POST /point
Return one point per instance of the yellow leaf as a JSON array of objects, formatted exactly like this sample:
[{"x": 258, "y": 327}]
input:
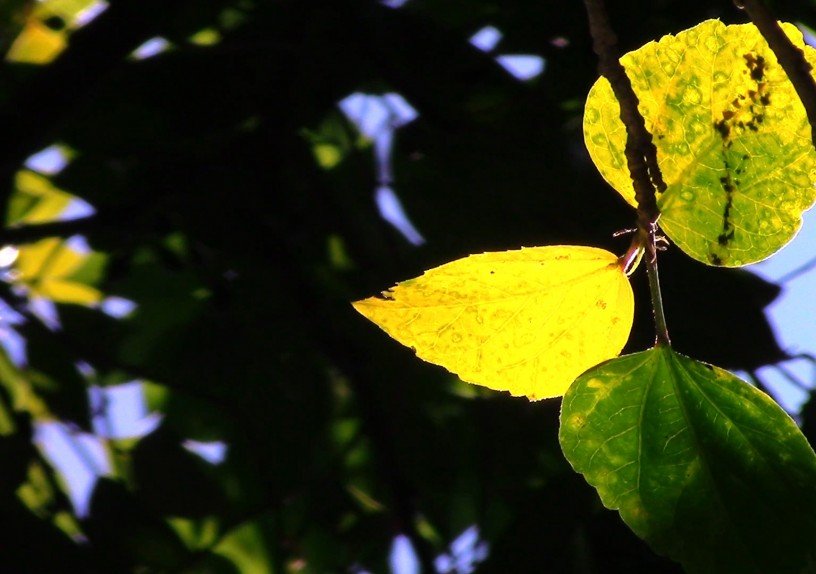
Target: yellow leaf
[
  {"x": 39, "y": 43},
  {"x": 70, "y": 292},
  {"x": 47, "y": 258},
  {"x": 527, "y": 321},
  {"x": 36, "y": 44},
  {"x": 36, "y": 199},
  {"x": 46, "y": 269},
  {"x": 33, "y": 257},
  {"x": 733, "y": 140}
]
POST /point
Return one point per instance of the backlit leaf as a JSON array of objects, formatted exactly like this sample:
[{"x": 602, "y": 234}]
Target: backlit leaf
[
  {"x": 35, "y": 199},
  {"x": 41, "y": 43},
  {"x": 527, "y": 321},
  {"x": 51, "y": 268},
  {"x": 706, "y": 468},
  {"x": 733, "y": 141},
  {"x": 37, "y": 44}
]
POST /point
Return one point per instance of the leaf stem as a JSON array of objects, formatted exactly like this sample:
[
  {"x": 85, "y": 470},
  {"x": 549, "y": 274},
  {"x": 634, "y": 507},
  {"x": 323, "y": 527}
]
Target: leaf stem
[
  {"x": 661, "y": 330},
  {"x": 641, "y": 154}
]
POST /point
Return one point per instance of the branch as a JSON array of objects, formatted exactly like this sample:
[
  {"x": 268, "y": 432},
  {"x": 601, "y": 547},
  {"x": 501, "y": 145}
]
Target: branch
[
  {"x": 791, "y": 58},
  {"x": 641, "y": 154}
]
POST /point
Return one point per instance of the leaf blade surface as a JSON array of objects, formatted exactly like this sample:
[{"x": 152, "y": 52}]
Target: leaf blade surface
[
  {"x": 733, "y": 141},
  {"x": 526, "y": 321},
  {"x": 704, "y": 467}
]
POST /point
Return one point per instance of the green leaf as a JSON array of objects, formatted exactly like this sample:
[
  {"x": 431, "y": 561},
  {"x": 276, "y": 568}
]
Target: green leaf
[
  {"x": 248, "y": 546},
  {"x": 733, "y": 140},
  {"x": 704, "y": 467}
]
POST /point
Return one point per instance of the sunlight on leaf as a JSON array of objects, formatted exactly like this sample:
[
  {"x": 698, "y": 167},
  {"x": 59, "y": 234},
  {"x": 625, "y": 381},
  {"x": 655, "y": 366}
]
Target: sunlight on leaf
[
  {"x": 37, "y": 44},
  {"x": 526, "y": 321},
  {"x": 733, "y": 141},
  {"x": 706, "y": 468},
  {"x": 52, "y": 269},
  {"x": 40, "y": 43},
  {"x": 247, "y": 547},
  {"x": 39, "y": 494},
  {"x": 20, "y": 389},
  {"x": 35, "y": 199},
  {"x": 197, "y": 534}
]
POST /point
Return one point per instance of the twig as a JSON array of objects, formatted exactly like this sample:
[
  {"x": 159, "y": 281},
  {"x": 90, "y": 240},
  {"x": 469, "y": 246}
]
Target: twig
[
  {"x": 641, "y": 155},
  {"x": 806, "y": 267},
  {"x": 791, "y": 58}
]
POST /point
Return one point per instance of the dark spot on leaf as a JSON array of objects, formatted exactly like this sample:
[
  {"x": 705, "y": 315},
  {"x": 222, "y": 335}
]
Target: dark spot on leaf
[
  {"x": 727, "y": 233},
  {"x": 725, "y": 181},
  {"x": 707, "y": 366},
  {"x": 722, "y": 128},
  {"x": 756, "y": 66},
  {"x": 492, "y": 272},
  {"x": 54, "y": 23},
  {"x": 714, "y": 258},
  {"x": 723, "y": 238}
]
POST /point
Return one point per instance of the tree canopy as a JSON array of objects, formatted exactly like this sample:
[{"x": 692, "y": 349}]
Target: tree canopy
[{"x": 194, "y": 194}]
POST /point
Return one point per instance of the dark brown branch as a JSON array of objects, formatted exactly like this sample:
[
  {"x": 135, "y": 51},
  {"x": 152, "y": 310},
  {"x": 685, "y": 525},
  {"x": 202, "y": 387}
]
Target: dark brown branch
[
  {"x": 791, "y": 58},
  {"x": 641, "y": 154}
]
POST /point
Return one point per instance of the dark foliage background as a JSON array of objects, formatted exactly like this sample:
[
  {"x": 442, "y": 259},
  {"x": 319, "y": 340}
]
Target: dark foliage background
[{"x": 242, "y": 254}]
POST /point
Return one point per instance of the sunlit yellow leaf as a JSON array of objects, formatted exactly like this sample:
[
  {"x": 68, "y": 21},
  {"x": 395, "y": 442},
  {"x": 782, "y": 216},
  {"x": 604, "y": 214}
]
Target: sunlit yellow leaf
[
  {"x": 36, "y": 44},
  {"x": 733, "y": 140},
  {"x": 70, "y": 292},
  {"x": 527, "y": 321},
  {"x": 39, "y": 43},
  {"x": 206, "y": 37},
  {"x": 69, "y": 11},
  {"x": 47, "y": 269},
  {"x": 36, "y": 199}
]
